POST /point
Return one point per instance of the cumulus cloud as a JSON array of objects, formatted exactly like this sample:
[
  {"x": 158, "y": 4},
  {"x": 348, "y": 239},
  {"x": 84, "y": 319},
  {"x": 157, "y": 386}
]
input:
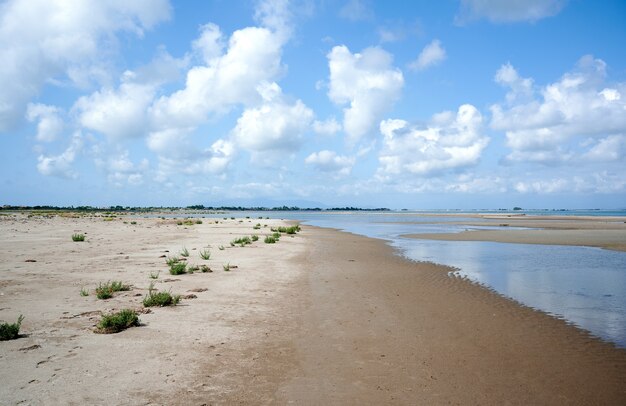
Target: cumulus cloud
[
  {"x": 253, "y": 56},
  {"x": 329, "y": 161},
  {"x": 61, "y": 165},
  {"x": 326, "y": 127},
  {"x": 367, "y": 82},
  {"x": 57, "y": 40},
  {"x": 507, "y": 11},
  {"x": 431, "y": 55},
  {"x": 117, "y": 113},
  {"x": 543, "y": 124},
  {"x": 275, "y": 125},
  {"x": 450, "y": 142},
  {"x": 121, "y": 171},
  {"x": 50, "y": 125}
]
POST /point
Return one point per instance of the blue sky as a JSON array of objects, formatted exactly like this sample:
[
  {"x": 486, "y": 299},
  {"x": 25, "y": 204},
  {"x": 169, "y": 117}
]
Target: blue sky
[{"x": 450, "y": 104}]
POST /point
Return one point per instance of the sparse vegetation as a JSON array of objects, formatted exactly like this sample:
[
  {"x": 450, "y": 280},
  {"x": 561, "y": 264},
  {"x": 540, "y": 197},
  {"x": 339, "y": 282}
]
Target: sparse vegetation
[
  {"x": 171, "y": 261},
  {"x": 198, "y": 221},
  {"x": 184, "y": 252},
  {"x": 133, "y": 222},
  {"x": 192, "y": 268},
  {"x": 160, "y": 299},
  {"x": 178, "y": 268},
  {"x": 226, "y": 267},
  {"x": 116, "y": 322},
  {"x": 154, "y": 275},
  {"x": 106, "y": 291},
  {"x": 254, "y": 237},
  {"x": 204, "y": 269},
  {"x": 205, "y": 254},
  {"x": 221, "y": 248},
  {"x": 84, "y": 292},
  {"x": 276, "y": 235},
  {"x": 78, "y": 237},
  {"x": 11, "y": 331},
  {"x": 257, "y": 226},
  {"x": 270, "y": 240},
  {"x": 241, "y": 241}
]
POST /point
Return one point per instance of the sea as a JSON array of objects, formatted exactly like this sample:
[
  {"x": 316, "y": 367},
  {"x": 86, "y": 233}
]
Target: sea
[{"x": 584, "y": 286}]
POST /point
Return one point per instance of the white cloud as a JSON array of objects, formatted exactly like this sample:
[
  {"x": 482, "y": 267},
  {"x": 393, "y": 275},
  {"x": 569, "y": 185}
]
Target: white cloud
[
  {"x": 273, "y": 126},
  {"x": 50, "y": 124},
  {"x": 210, "y": 43},
  {"x": 118, "y": 113},
  {"x": 329, "y": 161},
  {"x": 61, "y": 165},
  {"x": 450, "y": 142},
  {"x": 366, "y": 81},
  {"x": 253, "y": 57},
  {"x": 326, "y": 127},
  {"x": 542, "y": 125},
  {"x": 431, "y": 55},
  {"x": 122, "y": 171},
  {"x": 59, "y": 40},
  {"x": 505, "y": 11}
]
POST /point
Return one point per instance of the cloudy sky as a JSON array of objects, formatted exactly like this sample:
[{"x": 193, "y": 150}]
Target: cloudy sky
[{"x": 401, "y": 104}]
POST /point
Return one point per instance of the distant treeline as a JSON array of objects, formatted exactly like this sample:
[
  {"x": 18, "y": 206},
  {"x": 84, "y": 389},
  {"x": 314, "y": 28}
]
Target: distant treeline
[{"x": 194, "y": 207}]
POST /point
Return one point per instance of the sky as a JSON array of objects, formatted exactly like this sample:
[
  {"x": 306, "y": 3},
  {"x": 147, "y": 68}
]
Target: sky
[{"x": 401, "y": 104}]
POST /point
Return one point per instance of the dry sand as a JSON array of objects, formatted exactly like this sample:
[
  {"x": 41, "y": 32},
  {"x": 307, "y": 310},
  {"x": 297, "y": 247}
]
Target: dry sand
[
  {"x": 603, "y": 232},
  {"x": 321, "y": 318}
]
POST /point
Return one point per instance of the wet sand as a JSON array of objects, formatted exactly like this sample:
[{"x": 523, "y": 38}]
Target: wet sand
[
  {"x": 324, "y": 317},
  {"x": 603, "y": 232}
]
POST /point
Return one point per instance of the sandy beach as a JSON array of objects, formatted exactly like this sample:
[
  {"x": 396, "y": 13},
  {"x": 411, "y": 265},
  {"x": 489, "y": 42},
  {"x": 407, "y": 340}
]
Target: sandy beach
[{"x": 321, "y": 317}]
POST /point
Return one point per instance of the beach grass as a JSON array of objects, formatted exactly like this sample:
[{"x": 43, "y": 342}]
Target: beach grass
[
  {"x": 159, "y": 299},
  {"x": 106, "y": 291},
  {"x": 116, "y": 322},
  {"x": 78, "y": 237},
  {"x": 178, "y": 268},
  {"x": 11, "y": 331},
  {"x": 205, "y": 254}
]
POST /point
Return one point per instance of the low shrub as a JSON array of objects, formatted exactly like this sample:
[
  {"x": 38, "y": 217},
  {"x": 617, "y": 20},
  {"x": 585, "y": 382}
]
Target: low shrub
[
  {"x": 106, "y": 291},
  {"x": 160, "y": 299},
  {"x": 78, "y": 237},
  {"x": 10, "y": 331},
  {"x": 270, "y": 240},
  {"x": 178, "y": 268},
  {"x": 116, "y": 322}
]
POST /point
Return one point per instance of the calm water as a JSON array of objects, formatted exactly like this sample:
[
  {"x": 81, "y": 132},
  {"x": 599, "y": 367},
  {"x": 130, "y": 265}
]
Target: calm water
[{"x": 585, "y": 286}]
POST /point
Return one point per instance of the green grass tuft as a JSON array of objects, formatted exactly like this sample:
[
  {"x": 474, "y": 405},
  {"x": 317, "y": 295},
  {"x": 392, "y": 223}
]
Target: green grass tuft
[
  {"x": 171, "y": 261},
  {"x": 84, "y": 292},
  {"x": 270, "y": 240},
  {"x": 10, "y": 331},
  {"x": 78, "y": 237},
  {"x": 160, "y": 299},
  {"x": 106, "y": 291},
  {"x": 116, "y": 322},
  {"x": 254, "y": 237},
  {"x": 204, "y": 269},
  {"x": 184, "y": 252},
  {"x": 205, "y": 254},
  {"x": 178, "y": 268},
  {"x": 226, "y": 267},
  {"x": 154, "y": 275}
]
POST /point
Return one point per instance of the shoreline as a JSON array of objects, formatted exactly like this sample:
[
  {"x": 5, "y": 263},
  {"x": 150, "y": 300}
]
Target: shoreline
[{"x": 326, "y": 316}]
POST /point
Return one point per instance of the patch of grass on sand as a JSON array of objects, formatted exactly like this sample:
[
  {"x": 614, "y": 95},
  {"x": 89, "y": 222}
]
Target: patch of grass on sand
[
  {"x": 106, "y": 291},
  {"x": 84, "y": 292},
  {"x": 178, "y": 268},
  {"x": 254, "y": 237},
  {"x": 204, "y": 269},
  {"x": 171, "y": 261},
  {"x": 78, "y": 237},
  {"x": 226, "y": 267},
  {"x": 10, "y": 331},
  {"x": 221, "y": 248},
  {"x": 205, "y": 254},
  {"x": 184, "y": 252},
  {"x": 193, "y": 268},
  {"x": 270, "y": 240},
  {"x": 160, "y": 299},
  {"x": 116, "y": 322},
  {"x": 154, "y": 275},
  {"x": 241, "y": 241}
]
